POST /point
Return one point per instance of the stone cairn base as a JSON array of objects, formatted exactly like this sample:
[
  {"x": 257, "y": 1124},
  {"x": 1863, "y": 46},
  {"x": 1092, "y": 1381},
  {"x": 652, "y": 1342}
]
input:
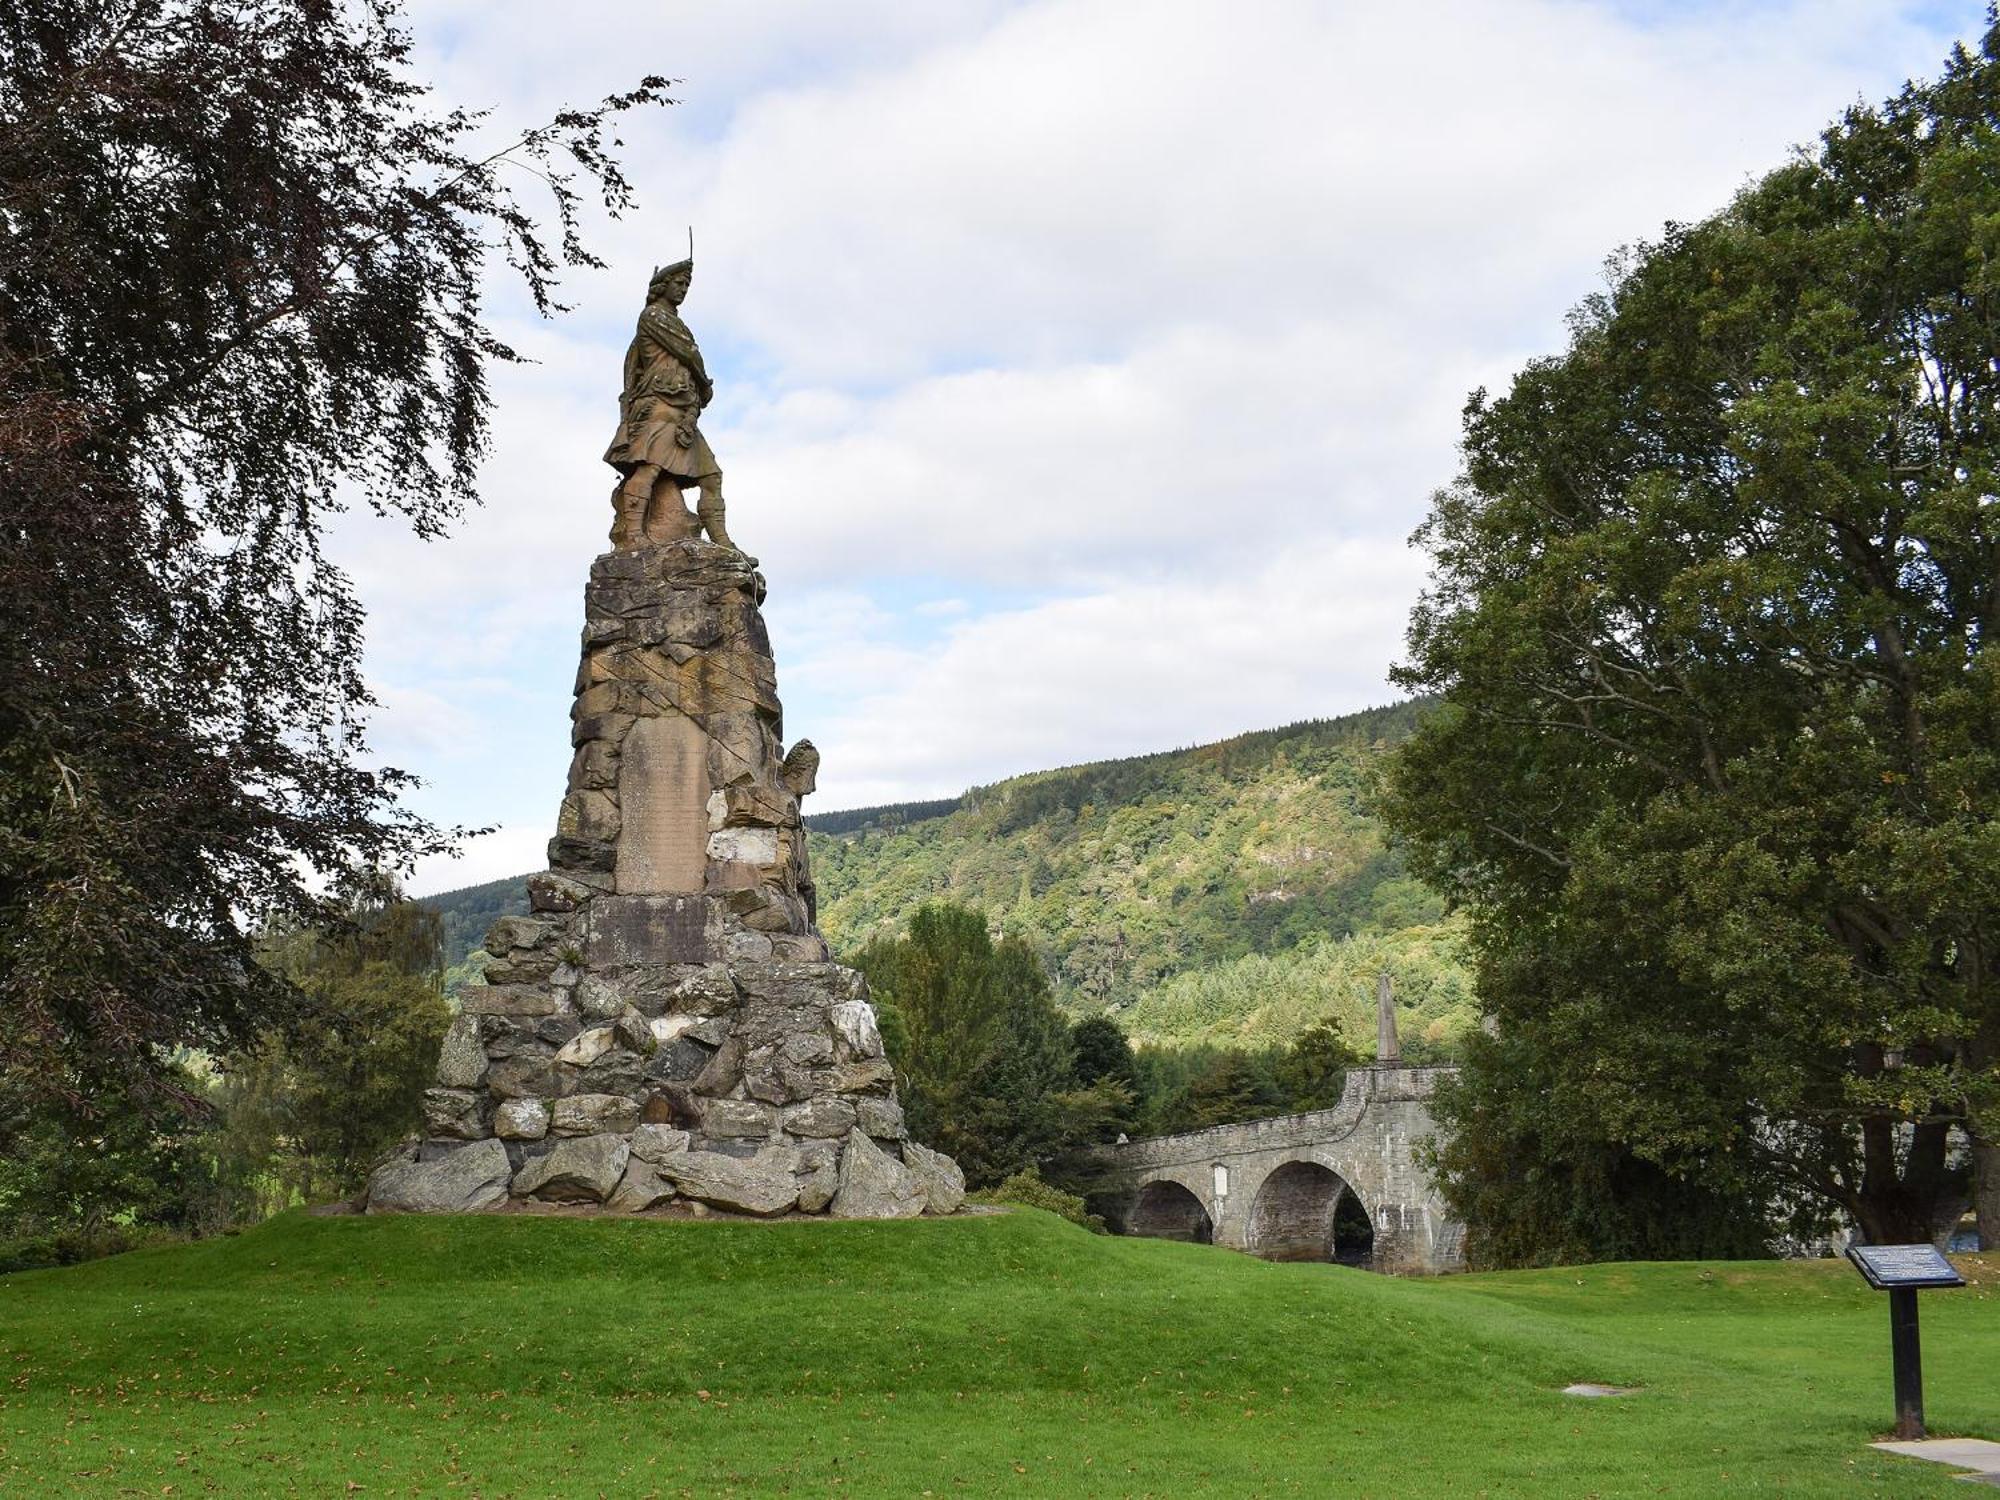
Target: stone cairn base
[{"x": 665, "y": 1025}]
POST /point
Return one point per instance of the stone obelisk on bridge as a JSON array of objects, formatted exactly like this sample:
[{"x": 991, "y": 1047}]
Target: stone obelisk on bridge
[{"x": 666, "y": 1027}]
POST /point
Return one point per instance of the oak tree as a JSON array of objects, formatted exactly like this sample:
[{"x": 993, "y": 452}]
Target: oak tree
[{"x": 1719, "y": 757}]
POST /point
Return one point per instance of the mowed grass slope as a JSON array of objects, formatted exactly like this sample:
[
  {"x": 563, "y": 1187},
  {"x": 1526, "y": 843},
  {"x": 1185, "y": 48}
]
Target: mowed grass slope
[{"x": 1004, "y": 1355}]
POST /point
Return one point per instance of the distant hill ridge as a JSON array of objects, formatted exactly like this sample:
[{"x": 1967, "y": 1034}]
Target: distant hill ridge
[
  {"x": 886, "y": 815},
  {"x": 1229, "y": 893}
]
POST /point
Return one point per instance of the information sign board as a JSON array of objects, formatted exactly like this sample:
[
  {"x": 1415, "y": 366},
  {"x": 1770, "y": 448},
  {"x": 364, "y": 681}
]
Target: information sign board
[{"x": 1890, "y": 1266}]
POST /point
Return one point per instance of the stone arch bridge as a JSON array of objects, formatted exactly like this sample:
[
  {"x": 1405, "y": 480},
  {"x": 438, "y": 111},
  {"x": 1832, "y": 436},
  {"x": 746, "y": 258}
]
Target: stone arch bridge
[{"x": 1340, "y": 1184}]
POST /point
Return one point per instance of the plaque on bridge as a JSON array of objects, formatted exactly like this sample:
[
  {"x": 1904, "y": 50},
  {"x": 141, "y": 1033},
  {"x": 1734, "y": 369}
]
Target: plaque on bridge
[{"x": 1916, "y": 1266}]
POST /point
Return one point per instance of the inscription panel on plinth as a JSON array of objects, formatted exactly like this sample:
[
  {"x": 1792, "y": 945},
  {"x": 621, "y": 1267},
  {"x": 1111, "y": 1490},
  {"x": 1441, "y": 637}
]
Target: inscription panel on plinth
[
  {"x": 623, "y": 930},
  {"x": 663, "y": 807}
]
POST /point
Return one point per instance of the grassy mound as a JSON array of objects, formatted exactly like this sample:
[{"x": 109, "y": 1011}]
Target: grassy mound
[{"x": 1002, "y": 1355}]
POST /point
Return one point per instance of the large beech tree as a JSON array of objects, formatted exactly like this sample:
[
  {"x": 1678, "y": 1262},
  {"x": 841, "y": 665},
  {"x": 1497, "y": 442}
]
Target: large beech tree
[
  {"x": 1719, "y": 758},
  {"x": 241, "y": 263}
]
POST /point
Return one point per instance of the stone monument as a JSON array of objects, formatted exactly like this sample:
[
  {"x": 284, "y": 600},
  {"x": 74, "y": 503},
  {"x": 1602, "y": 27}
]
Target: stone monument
[{"x": 665, "y": 1025}]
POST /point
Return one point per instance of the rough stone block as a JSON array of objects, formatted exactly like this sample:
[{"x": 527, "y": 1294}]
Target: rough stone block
[
  {"x": 508, "y": 933},
  {"x": 881, "y": 1118},
  {"x": 698, "y": 989},
  {"x": 587, "y": 1046},
  {"x": 583, "y": 856},
  {"x": 938, "y": 1175},
  {"x": 726, "y": 878},
  {"x": 610, "y": 728},
  {"x": 464, "y": 1181},
  {"x": 594, "y": 1114},
  {"x": 598, "y": 999},
  {"x": 459, "y": 1114},
  {"x": 550, "y": 892},
  {"x": 635, "y": 1033},
  {"x": 807, "y": 1046},
  {"x": 854, "y": 1022},
  {"x": 764, "y": 1185},
  {"x": 753, "y": 803},
  {"x": 642, "y": 1187},
  {"x": 590, "y": 815},
  {"x": 526, "y": 1075},
  {"x": 798, "y": 947},
  {"x": 522, "y": 968},
  {"x": 750, "y": 846},
  {"x": 722, "y": 1072},
  {"x": 822, "y": 1117},
  {"x": 680, "y": 1061},
  {"x": 603, "y": 699},
  {"x": 777, "y": 915},
  {"x": 655, "y": 1143},
  {"x": 818, "y": 1185},
  {"x": 462, "y": 1057},
  {"x": 874, "y": 1076},
  {"x": 521, "y": 1119},
  {"x": 594, "y": 767},
  {"x": 874, "y": 1185},
  {"x": 749, "y": 947},
  {"x": 619, "y": 1071},
  {"x": 668, "y": 1028},
  {"x": 581, "y": 1169},
  {"x": 738, "y": 1117},
  {"x": 557, "y": 1030}
]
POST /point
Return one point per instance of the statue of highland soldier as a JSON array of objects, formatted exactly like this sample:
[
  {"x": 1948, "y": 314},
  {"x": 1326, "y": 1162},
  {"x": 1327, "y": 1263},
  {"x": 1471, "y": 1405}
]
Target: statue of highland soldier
[{"x": 659, "y": 448}]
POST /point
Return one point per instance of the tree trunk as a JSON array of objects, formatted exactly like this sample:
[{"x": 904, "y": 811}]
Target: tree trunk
[
  {"x": 1986, "y": 1191},
  {"x": 1900, "y": 1208}
]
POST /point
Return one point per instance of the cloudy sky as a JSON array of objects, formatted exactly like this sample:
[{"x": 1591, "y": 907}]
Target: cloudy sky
[{"x": 1083, "y": 365}]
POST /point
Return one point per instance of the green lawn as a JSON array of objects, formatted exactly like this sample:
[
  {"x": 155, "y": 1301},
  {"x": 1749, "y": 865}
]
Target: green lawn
[{"x": 537, "y": 1356}]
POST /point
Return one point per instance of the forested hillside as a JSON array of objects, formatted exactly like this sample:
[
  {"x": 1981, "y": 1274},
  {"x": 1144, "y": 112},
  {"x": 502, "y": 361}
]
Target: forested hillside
[{"x": 1231, "y": 893}]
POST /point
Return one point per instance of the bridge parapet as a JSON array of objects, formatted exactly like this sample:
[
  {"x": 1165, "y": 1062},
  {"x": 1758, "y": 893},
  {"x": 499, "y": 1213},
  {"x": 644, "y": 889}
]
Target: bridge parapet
[{"x": 1363, "y": 1149}]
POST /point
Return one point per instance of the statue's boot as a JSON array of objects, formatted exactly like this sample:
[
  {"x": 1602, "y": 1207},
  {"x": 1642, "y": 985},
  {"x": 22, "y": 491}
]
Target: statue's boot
[
  {"x": 628, "y": 523},
  {"x": 711, "y": 513}
]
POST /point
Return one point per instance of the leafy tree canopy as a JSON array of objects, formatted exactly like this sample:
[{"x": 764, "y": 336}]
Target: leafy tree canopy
[
  {"x": 1718, "y": 767},
  {"x": 241, "y": 273},
  {"x": 305, "y": 1113}
]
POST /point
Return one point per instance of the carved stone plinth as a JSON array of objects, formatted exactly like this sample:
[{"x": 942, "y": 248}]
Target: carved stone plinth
[{"x": 665, "y": 1024}]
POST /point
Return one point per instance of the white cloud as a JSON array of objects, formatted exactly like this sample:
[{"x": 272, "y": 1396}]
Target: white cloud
[
  {"x": 1079, "y": 175},
  {"x": 1082, "y": 364},
  {"x": 1134, "y": 667},
  {"x": 1203, "y": 445}
]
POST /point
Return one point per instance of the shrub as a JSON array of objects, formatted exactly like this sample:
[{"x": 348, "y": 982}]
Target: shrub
[{"x": 1027, "y": 1189}]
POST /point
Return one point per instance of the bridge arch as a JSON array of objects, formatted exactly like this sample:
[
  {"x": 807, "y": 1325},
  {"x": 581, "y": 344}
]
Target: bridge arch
[
  {"x": 1306, "y": 1210},
  {"x": 1168, "y": 1210}
]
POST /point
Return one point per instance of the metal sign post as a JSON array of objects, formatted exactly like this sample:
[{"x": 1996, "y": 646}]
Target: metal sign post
[{"x": 1902, "y": 1271}]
